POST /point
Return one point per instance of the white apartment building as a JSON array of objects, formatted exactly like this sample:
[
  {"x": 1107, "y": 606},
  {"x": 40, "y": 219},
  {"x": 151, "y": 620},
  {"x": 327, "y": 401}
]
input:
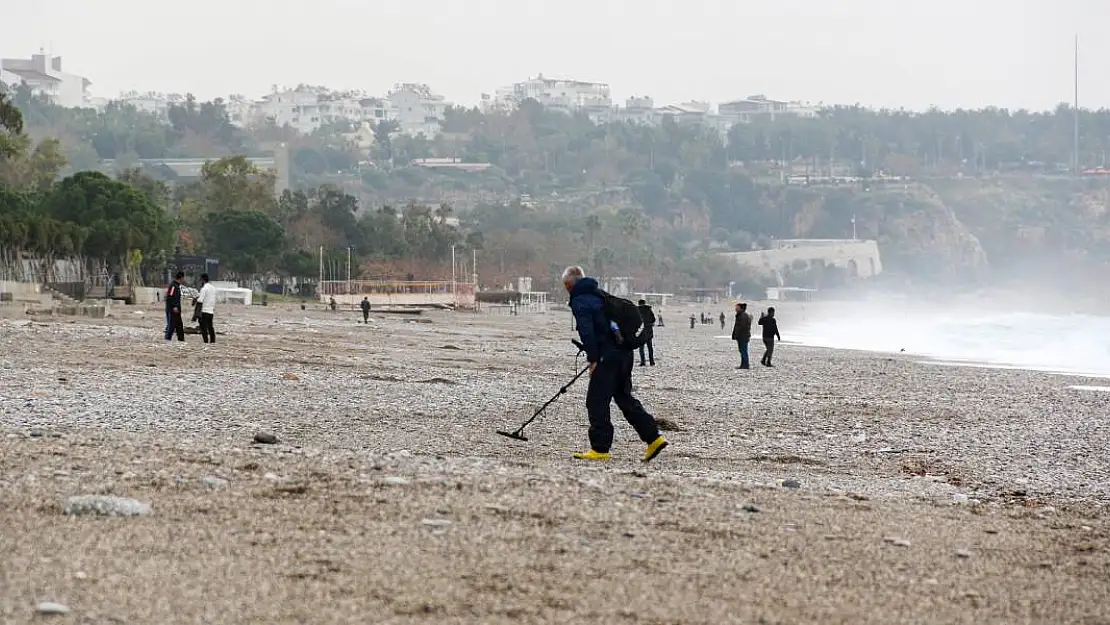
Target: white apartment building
[
  {"x": 151, "y": 102},
  {"x": 240, "y": 110},
  {"x": 43, "y": 74},
  {"x": 417, "y": 109},
  {"x": 304, "y": 108},
  {"x": 761, "y": 107},
  {"x": 557, "y": 93}
]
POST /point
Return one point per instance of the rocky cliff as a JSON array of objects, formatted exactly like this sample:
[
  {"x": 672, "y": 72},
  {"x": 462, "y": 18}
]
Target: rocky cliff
[{"x": 967, "y": 228}]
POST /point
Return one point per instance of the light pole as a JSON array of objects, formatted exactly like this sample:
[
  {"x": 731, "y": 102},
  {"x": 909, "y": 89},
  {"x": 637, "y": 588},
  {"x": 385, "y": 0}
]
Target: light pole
[
  {"x": 854, "y": 238},
  {"x": 348, "y": 270},
  {"x": 454, "y": 287}
]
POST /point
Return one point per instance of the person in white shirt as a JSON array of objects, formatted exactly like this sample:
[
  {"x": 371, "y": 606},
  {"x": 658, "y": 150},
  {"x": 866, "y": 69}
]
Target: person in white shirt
[{"x": 207, "y": 301}]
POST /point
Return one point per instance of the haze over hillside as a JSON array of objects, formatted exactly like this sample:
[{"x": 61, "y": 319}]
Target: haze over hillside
[
  {"x": 708, "y": 143},
  {"x": 945, "y": 53}
]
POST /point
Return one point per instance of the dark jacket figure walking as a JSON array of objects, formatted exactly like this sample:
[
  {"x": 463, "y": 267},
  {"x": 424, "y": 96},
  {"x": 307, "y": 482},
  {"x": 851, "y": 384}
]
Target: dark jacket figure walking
[
  {"x": 692, "y": 319},
  {"x": 648, "y": 317},
  {"x": 742, "y": 333},
  {"x": 174, "y": 323},
  {"x": 610, "y": 372},
  {"x": 722, "y": 321},
  {"x": 365, "y": 309},
  {"x": 770, "y": 333}
]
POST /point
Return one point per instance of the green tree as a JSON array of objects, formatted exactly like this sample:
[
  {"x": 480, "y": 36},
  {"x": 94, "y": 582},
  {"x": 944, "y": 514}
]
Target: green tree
[{"x": 247, "y": 242}]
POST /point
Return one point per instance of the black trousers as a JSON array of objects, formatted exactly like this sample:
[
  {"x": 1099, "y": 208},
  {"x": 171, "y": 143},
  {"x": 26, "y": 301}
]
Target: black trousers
[
  {"x": 366, "y": 315},
  {"x": 612, "y": 382},
  {"x": 207, "y": 330},
  {"x": 769, "y": 345},
  {"x": 175, "y": 325},
  {"x": 650, "y": 351}
]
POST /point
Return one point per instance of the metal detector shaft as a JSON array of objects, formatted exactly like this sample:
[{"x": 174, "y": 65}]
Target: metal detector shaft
[
  {"x": 518, "y": 433},
  {"x": 562, "y": 391}
]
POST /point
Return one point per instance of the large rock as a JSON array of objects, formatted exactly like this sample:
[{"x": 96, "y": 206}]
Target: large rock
[{"x": 105, "y": 505}]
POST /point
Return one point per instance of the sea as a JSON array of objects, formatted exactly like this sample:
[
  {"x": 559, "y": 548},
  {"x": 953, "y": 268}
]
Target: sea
[{"x": 1073, "y": 344}]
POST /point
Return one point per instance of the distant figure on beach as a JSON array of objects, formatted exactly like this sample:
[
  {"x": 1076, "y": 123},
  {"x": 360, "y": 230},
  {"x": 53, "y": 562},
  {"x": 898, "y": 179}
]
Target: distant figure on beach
[
  {"x": 207, "y": 301},
  {"x": 610, "y": 372},
  {"x": 331, "y": 303},
  {"x": 648, "y": 318},
  {"x": 722, "y": 321},
  {"x": 659, "y": 321},
  {"x": 365, "y": 305},
  {"x": 691, "y": 321},
  {"x": 770, "y": 333},
  {"x": 742, "y": 333},
  {"x": 174, "y": 323}
]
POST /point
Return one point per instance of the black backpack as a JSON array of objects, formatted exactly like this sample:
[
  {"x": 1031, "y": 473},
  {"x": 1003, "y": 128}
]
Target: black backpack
[{"x": 627, "y": 317}]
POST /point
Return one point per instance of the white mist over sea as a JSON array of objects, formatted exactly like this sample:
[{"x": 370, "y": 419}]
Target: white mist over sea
[{"x": 1070, "y": 343}]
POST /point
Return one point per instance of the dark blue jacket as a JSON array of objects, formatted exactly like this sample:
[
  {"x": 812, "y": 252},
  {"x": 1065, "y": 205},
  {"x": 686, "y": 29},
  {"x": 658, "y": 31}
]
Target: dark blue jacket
[{"x": 589, "y": 317}]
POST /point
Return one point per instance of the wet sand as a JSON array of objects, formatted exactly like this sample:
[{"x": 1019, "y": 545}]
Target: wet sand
[{"x": 839, "y": 487}]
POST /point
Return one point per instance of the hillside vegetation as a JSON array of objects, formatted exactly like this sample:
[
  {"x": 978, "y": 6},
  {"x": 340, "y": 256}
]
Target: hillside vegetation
[{"x": 987, "y": 189}]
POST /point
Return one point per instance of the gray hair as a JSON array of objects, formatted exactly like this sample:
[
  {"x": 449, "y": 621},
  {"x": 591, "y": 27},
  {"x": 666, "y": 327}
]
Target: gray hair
[{"x": 573, "y": 274}]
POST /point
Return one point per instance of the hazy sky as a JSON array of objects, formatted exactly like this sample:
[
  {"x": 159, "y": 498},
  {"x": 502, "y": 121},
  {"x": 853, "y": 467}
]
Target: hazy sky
[{"x": 894, "y": 53}]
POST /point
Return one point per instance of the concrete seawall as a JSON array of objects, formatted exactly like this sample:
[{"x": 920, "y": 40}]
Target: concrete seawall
[{"x": 860, "y": 258}]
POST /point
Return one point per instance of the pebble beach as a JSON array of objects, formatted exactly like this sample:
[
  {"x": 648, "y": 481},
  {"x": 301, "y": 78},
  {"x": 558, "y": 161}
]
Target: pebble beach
[{"x": 309, "y": 468}]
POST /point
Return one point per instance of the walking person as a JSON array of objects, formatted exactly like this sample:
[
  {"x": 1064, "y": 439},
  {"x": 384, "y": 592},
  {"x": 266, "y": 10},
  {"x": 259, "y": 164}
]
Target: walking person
[
  {"x": 722, "y": 321},
  {"x": 365, "y": 305},
  {"x": 770, "y": 333},
  {"x": 207, "y": 301},
  {"x": 742, "y": 333},
  {"x": 174, "y": 323},
  {"x": 610, "y": 372},
  {"x": 648, "y": 318},
  {"x": 691, "y": 321}
]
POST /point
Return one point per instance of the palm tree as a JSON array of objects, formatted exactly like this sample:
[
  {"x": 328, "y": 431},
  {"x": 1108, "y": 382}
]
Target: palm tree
[
  {"x": 633, "y": 224},
  {"x": 603, "y": 259},
  {"x": 593, "y": 226}
]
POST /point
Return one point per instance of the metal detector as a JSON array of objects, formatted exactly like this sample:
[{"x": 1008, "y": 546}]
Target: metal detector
[{"x": 518, "y": 434}]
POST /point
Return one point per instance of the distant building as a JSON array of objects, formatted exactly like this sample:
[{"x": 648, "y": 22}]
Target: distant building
[
  {"x": 557, "y": 93},
  {"x": 449, "y": 163},
  {"x": 417, "y": 109},
  {"x": 860, "y": 258},
  {"x": 240, "y": 110},
  {"x": 638, "y": 110},
  {"x": 43, "y": 74},
  {"x": 305, "y": 108},
  {"x": 150, "y": 102},
  {"x": 187, "y": 169},
  {"x": 761, "y": 107},
  {"x": 687, "y": 112}
]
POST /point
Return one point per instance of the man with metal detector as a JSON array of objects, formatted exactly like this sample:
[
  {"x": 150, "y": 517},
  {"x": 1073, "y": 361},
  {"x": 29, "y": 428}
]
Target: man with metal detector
[{"x": 607, "y": 326}]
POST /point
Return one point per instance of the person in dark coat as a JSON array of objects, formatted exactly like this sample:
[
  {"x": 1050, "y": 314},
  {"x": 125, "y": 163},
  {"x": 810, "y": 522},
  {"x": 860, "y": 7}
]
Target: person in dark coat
[
  {"x": 365, "y": 305},
  {"x": 174, "y": 323},
  {"x": 722, "y": 321},
  {"x": 648, "y": 318},
  {"x": 742, "y": 333},
  {"x": 610, "y": 372},
  {"x": 770, "y": 333}
]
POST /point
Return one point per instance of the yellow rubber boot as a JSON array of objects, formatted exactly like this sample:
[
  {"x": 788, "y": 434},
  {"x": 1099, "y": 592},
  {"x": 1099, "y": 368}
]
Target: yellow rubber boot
[
  {"x": 654, "y": 448},
  {"x": 592, "y": 455}
]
